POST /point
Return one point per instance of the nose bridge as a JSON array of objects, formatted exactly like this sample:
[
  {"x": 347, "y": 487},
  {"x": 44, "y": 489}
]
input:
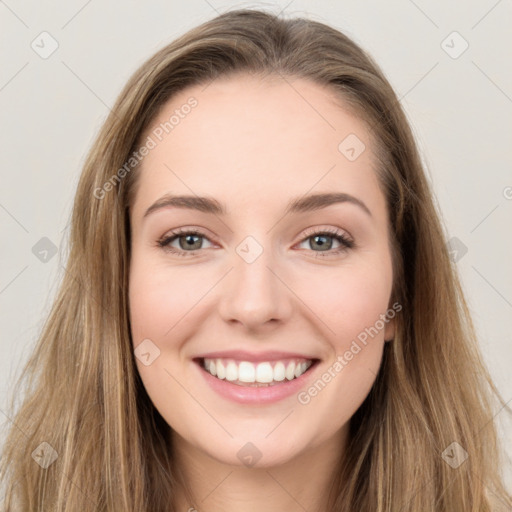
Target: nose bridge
[{"x": 254, "y": 294}]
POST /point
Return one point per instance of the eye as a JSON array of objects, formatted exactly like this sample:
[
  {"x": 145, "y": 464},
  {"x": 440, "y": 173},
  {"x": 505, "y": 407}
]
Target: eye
[
  {"x": 323, "y": 239},
  {"x": 189, "y": 241}
]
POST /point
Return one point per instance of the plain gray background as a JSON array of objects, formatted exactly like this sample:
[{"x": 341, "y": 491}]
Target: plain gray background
[{"x": 458, "y": 100}]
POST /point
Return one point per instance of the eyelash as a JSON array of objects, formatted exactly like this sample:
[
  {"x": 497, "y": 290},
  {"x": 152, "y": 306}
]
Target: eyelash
[{"x": 345, "y": 242}]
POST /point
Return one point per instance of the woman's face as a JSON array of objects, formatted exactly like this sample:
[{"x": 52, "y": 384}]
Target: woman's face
[{"x": 264, "y": 287}]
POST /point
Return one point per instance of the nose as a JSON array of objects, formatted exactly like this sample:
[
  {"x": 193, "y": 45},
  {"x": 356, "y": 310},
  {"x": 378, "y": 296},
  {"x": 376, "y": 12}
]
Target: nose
[{"x": 254, "y": 294}]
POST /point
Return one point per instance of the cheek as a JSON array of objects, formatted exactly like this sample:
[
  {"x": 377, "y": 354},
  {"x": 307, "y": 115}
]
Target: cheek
[
  {"x": 161, "y": 305},
  {"x": 348, "y": 300},
  {"x": 159, "y": 298},
  {"x": 350, "y": 305}
]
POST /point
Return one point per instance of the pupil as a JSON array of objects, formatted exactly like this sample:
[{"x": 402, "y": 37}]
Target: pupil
[
  {"x": 322, "y": 244},
  {"x": 190, "y": 239}
]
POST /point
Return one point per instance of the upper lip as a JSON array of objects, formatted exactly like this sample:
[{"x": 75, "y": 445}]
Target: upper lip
[{"x": 243, "y": 355}]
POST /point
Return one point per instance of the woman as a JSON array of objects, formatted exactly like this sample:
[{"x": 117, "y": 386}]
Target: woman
[{"x": 259, "y": 311}]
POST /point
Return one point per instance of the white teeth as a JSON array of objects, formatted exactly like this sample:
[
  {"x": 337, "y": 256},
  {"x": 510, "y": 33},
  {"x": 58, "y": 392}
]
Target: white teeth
[
  {"x": 231, "y": 371},
  {"x": 221, "y": 371},
  {"x": 264, "y": 373},
  {"x": 247, "y": 372},
  {"x": 290, "y": 371},
  {"x": 279, "y": 371}
]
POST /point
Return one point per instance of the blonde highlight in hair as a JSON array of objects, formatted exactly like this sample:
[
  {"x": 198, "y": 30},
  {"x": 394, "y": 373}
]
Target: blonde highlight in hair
[{"x": 84, "y": 396}]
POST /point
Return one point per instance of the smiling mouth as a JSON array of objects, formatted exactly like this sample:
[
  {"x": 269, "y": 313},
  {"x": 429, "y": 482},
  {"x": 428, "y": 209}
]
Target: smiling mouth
[{"x": 262, "y": 374}]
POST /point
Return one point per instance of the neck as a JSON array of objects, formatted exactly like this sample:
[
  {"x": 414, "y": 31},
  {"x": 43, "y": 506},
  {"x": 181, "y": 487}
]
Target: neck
[{"x": 302, "y": 483}]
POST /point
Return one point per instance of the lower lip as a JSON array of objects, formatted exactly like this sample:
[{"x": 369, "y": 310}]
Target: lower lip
[{"x": 257, "y": 395}]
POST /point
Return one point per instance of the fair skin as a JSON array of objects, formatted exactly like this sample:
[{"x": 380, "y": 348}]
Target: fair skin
[{"x": 254, "y": 145}]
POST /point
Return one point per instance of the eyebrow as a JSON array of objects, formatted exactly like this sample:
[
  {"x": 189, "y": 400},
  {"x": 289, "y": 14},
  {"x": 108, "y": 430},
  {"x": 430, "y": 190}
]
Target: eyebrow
[{"x": 210, "y": 205}]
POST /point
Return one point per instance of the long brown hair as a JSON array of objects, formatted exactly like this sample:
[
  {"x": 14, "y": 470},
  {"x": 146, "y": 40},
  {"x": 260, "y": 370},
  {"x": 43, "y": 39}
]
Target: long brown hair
[{"x": 87, "y": 437}]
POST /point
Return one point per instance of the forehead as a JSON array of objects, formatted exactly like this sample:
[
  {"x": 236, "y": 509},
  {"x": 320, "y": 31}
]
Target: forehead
[{"x": 248, "y": 137}]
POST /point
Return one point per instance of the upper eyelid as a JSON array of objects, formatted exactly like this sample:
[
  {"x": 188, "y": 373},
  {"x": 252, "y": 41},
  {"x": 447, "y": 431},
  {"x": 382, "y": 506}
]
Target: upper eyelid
[{"x": 187, "y": 231}]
